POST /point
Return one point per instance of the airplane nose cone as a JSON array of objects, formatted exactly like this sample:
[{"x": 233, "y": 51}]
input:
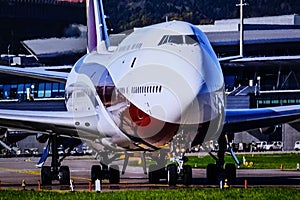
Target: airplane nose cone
[{"x": 166, "y": 86}]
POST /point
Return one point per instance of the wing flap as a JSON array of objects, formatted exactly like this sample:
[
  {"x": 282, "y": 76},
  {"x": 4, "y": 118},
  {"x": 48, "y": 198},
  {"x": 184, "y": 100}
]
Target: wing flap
[{"x": 246, "y": 119}]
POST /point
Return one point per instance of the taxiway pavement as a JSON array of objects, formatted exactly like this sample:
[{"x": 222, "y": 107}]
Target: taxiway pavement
[{"x": 14, "y": 170}]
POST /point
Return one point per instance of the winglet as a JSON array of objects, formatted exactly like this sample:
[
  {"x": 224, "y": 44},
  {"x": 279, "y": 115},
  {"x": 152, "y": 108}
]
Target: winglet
[{"x": 97, "y": 30}]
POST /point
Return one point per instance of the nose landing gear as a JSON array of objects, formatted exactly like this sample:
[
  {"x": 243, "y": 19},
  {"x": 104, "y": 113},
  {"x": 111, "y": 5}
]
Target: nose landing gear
[
  {"x": 172, "y": 173},
  {"x": 179, "y": 171},
  {"x": 103, "y": 171}
]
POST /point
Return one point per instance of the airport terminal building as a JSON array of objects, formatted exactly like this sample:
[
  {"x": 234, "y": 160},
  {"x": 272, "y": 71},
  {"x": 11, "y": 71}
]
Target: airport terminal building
[
  {"x": 267, "y": 76},
  {"x": 271, "y": 46}
]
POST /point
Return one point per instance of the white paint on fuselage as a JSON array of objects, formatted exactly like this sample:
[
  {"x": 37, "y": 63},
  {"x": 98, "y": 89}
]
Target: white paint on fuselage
[
  {"x": 186, "y": 72},
  {"x": 191, "y": 81}
]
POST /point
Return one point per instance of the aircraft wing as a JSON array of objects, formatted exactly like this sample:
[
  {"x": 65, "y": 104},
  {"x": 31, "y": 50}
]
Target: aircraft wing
[
  {"x": 266, "y": 58},
  {"x": 61, "y": 122},
  {"x": 268, "y": 61},
  {"x": 245, "y": 119},
  {"x": 36, "y": 72},
  {"x": 69, "y": 124},
  {"x": 229, "y": 58}
]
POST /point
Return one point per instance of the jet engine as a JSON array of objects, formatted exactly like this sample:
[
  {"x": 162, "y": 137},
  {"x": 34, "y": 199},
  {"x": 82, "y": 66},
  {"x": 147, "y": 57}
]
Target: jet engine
[
  {"x": 268, "y": 130},
  {"x": 42, "y": 138},
  {"x": 3, "y": 131}
]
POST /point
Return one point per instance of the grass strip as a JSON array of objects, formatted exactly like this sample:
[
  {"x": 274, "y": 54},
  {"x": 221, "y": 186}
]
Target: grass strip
[
  {"x": 259, "y": 161},
  {"x": 189, "y": 193}
]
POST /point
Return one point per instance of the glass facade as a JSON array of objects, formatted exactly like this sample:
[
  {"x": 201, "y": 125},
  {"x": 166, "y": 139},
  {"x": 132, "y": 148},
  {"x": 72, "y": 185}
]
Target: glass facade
[
  {"x": 34, "y": 88},
  {"x": 279, "y": 98}
]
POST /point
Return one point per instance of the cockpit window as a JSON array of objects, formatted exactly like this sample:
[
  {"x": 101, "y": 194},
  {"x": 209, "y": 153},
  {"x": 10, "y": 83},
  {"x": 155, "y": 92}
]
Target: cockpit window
[
  {"x": 179, "y": 39},
  {"x": 191, "y": 39},
  {"x": 175, "y": 39},
  {"x": 163, "y": 40}
]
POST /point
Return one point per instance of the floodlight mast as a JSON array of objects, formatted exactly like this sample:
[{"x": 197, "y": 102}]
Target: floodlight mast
[{"x": 242, "y": 4}]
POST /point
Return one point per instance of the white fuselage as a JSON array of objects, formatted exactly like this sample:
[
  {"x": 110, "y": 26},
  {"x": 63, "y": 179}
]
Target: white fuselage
[{"x": 161, "y": 79}]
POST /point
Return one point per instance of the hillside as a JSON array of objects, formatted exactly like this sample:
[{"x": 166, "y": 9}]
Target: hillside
[{"x": 125, "y": 14}]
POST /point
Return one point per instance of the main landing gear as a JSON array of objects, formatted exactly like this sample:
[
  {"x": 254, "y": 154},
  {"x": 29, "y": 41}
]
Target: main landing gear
[
  {"x": 55, "y": 171},
  {"x": 217, "y": 172},
  {"x": 112, "y": 172}
]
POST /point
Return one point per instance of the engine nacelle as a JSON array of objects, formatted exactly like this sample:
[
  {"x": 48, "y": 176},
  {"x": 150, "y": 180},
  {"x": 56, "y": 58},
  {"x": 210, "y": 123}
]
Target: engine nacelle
[
  {"x": 268, "y": 130},
  {"x": 3, "y": 131},
  {"x": 42, "y": 138}
]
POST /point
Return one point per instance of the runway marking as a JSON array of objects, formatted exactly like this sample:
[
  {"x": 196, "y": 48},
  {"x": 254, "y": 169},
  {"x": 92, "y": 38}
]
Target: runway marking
[
  {"x": 21, "y": 171},
  {"x": 33, "y": 172},
  {"x": 80, "y": 178}
]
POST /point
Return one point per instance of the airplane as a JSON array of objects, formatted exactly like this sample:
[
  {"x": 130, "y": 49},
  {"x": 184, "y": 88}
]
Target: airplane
[{"x": 163, "y": 86}]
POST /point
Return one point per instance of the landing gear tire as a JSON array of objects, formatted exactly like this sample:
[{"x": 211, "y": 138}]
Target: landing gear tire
[
  {"x": 212, "y": 173},
  {"x": 114, "y": 174},
  {"x": 187, "y": 175},
  {"x": 156, "y": 173},
  {"x": 230, "y": 172},
  {"x": 46, "y": 176},
  {"x": 96, "y": 173},
  {"x": 64, "y": 175},
  {"x": 172, "y": 174},
  {"x": 153, "y": 174}
]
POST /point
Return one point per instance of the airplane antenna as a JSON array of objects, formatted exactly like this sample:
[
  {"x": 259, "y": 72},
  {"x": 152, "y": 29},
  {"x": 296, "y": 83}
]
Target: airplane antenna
[{"x": 242, "y": 4}]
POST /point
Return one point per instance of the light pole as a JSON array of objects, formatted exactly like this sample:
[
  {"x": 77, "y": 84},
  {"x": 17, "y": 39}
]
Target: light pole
[
  {"x": 8, "y": 54},
  {"x": 242, "y": 4}
]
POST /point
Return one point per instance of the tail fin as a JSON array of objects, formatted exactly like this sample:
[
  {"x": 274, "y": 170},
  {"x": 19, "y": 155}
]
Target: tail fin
[{"x": 97, "y": 35}]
